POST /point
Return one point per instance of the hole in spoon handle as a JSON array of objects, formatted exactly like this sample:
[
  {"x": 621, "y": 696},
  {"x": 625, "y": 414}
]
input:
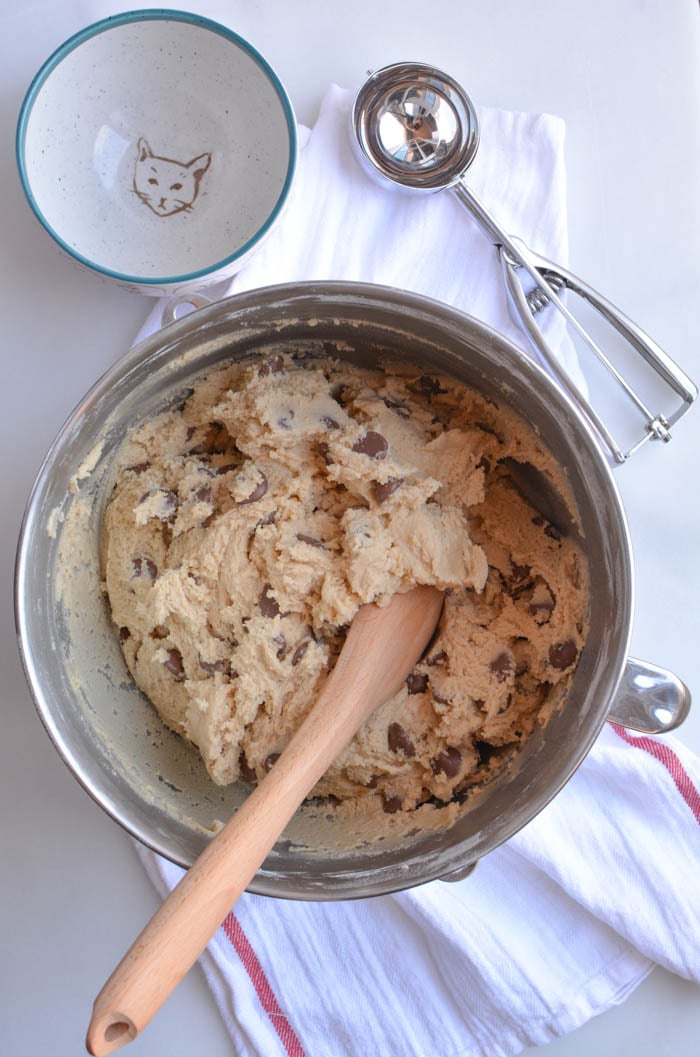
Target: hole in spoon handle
[{"x": 110, "y": 1033}]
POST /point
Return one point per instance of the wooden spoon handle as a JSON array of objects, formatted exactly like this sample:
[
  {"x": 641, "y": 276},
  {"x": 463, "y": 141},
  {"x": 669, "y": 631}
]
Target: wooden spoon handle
[{"x": 382, "y": 646}]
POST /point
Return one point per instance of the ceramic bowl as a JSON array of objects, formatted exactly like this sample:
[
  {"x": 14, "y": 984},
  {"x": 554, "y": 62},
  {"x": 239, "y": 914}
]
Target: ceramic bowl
[{"x": 157, "y": 148}]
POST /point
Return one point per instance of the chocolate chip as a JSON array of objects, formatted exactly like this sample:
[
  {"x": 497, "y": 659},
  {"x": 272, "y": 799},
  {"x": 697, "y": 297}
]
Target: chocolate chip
[
  {"x": 487, "y": 428},
  {"x": 336, "y": 391},
  {"x": 258, "y": 492},
  {"x": 484, "y": 464},
  {"x": 440, "y": 698},
  {"x": 399, "y": 741},
  {"x": 271, "y": 760},
  {"x": 447, "y": 762},
  {"x": 506, "y": 705},
  {"x": 138, "y": 467},
  {"x": 285, "y": 419},
  {"x": 281, "y": 644},
  {"x": 300, "y": 651},
  {"x": 324, "y": 451},
  {"x": 563, "y": 654},
  {"x": 383, "y": 491},
  {"x": 519, "y": 574},
  {"x": 417, "y": 683},
  {"x": 124, "y": 634},
  {"x": 221, "y": 470},
  {"x": 168, "y": 503},
  {"x": 275, "y": 365},
  {"x": 391, "y": 804},
  {"x": 247, "y": 772},
  {"x": 203, "y": 494},
  {"x": 373, "y": 444},
  {"x": 436, "y": 658},
  {"x": 484, "y": 750},
  {"x": 174, "y": 665},
  {"x": 267, "y": 604},
  {"x": 195, "y": 578},
  {"x": 502, "y": 666},
  {"x": 210, "y": 667},
  {"x": 549, "y": 530},
  {"x": 268, "y": 519},
  {"x": 429, "y": 386},
  {"x": 312, "y": 541},
  {"x": 402, "y": 410},
  {"x": 144, "y": 567},
  {"x": 329, "y": 422}
]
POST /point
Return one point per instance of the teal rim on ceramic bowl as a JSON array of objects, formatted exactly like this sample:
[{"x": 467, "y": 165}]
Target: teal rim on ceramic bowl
[{"x": 154, "y": 15}]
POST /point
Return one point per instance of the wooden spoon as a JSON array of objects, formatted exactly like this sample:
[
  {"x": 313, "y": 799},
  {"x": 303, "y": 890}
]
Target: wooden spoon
[{"x": 380, "y": 650}]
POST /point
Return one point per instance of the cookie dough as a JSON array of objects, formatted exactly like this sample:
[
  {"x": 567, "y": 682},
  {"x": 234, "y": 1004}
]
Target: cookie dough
[{"x": 249, "y": 524}]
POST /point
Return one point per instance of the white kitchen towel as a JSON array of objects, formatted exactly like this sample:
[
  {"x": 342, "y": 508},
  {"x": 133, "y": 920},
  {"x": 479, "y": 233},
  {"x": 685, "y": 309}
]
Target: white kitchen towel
[
  {"x": 552, "y": 928},
  {"x": 341, "y": 224},
  {"x": 569, "y": 916}
]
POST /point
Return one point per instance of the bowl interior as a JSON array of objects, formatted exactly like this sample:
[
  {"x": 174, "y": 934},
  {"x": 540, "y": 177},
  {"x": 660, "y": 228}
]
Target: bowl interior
[
  {"x": 156, "y": 146},
  {"x": 107, "y": 732}
]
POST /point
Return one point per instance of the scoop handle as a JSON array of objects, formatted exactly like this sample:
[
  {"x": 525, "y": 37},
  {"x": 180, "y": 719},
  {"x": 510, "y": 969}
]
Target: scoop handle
[
  {"x": 549, "y": 281},
  {"x": 382, "y": 646}
]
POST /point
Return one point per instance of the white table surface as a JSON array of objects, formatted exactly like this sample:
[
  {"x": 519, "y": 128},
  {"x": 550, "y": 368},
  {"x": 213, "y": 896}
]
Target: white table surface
[{"x": 625, "y": 77}]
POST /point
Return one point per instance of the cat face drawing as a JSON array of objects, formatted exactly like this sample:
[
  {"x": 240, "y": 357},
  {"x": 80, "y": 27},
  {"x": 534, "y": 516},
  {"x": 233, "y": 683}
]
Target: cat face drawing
[{"x": 167, "y": 186}]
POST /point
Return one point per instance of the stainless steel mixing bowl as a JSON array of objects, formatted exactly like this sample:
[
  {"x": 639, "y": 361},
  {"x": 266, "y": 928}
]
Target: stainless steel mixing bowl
[{"x": 147, "y": 778}]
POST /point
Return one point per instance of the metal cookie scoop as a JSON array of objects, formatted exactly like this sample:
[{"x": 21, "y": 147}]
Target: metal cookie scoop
[{"x": 416, "y": 126}]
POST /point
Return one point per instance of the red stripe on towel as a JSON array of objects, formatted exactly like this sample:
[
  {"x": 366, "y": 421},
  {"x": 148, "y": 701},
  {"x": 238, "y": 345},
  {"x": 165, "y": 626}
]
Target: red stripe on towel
[
  {"x": 252, "y": 966},
  {"x": 666, "y": 756}
]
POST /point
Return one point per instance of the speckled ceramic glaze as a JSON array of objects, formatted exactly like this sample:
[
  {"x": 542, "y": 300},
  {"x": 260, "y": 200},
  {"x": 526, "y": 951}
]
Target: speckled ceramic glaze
[{"x": 157, "y": 148}]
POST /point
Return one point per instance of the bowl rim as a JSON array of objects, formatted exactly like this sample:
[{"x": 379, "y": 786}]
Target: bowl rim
[{"x": 160, "y": 14}]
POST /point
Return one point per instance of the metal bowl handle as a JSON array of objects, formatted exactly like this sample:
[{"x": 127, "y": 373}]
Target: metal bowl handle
[{"x": 649, "y": 699}]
